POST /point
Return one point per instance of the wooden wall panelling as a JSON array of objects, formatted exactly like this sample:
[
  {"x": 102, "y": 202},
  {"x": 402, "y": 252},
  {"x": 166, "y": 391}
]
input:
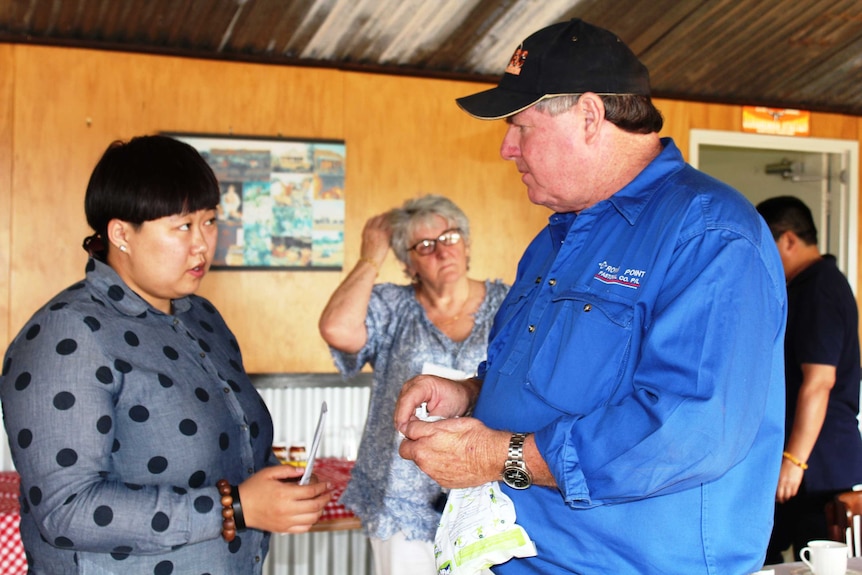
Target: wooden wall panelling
[{"x": 7, "y": 78}]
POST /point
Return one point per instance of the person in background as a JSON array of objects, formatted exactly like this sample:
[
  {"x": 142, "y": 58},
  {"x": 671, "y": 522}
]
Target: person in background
[
  {"x": 632, "y": 401},
  {"x": 141, "y": 443},
  {"x": 823, "y": 447},
  {"x": 438, "y": 323}
]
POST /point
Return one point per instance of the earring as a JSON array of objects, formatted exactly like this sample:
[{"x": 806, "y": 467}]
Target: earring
[{"x": 123, "y": 249}]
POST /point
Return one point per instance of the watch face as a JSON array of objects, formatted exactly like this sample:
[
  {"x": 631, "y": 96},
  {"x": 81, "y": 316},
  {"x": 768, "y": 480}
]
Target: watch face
[{"x": 517, "y": 478}]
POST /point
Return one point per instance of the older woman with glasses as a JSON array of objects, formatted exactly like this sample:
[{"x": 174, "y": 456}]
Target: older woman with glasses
[{"x": 439, "y": 324}]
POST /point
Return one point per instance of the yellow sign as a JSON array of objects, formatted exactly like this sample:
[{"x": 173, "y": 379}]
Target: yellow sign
[{"x": 782, "y": 122}]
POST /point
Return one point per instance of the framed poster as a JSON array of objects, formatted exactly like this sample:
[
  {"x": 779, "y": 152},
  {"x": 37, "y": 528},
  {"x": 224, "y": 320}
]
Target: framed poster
[{"x": 282, "y": 201}]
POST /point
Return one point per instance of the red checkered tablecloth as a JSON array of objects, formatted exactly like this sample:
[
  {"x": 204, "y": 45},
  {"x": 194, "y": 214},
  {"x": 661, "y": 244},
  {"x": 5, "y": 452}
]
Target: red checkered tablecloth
[
  {"x": 337, "y": 472},
  {"x": 12, "y": 560}
]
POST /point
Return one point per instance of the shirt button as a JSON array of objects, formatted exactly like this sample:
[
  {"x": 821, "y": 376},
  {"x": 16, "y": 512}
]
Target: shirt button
[
  {"x": 552, "y": 282},
  {"x": 539, "y": 279},
  {"x": 203, "y": 355},
  {"x": 257, "y": 558},
  {"x": 250, "y": 470},
  {"x": 588, "y": 307},
  {"x": 176, "y": 321},
  {"x": 532, "y": 328},
  {"x": 244, "y": 427}
]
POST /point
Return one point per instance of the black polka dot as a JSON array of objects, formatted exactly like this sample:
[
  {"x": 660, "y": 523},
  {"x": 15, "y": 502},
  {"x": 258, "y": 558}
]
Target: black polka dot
[
  {"x": 116, "y": 293},
  {"x": 121, "y": 552},
  {"x": 103, "y": 515},
  {"x": 204, "y": 504},
  {"x": 70, "y": 499},
  {"x": 104, "y": 424},
  {"x": 157, "y": 464},
  {"x": 179, "y": 490},
  {"x": 235, "y": 545},
  {"x": 91, "y": 265},
  {"x": 224, "y": 441},
  {"x": 67, "y": 457},
  {"x": 235, "y": 365},
  {"x": 105, "y": 375},
  {"x": 25, "y": 438},
  {"x": 122, "y": 366},
  {"x": 234, "y": 344},
  {"x": 131, "y": 339},
  {"x": 204, "y": 346},
  {"x": 67, "y": 347},
  {"x": 58, "y": 306},
  {"x": 170, "y": 353},
  {"x": 188, "y": 427},
  {"x": 207, "y": 327},
  {"x": 116, "y": 446},
  {"x": 165, "y": 381},
  {"x": 254, "y": 429},
  {"x": 22, "y": 381},
  {"x": 160, "y": 522},
  {"x": 34, "y": 494},
  {"x": 134, "y": 486},
  {"x": 33, "y": 332},
  {"x": 64, "y": 400},
  {"x": 92, "y": 323},
  {"x": 202, "y": 394},
  {"x": 234, "y": 386},
  {"x": 164, "y": 568},
  {"x": 64, "y": 542},
  {"x": 207, "y": 306},
  {"x": 139, "y": 413},
  {"x": 197, "y": 479}
]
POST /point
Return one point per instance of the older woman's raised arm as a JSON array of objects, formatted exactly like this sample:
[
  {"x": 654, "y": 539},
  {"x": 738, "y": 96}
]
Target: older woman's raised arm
[{"x": 342, "y": 323}]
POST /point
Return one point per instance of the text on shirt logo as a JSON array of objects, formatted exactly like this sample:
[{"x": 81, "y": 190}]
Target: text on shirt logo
[{"x": 609, "y": 274}]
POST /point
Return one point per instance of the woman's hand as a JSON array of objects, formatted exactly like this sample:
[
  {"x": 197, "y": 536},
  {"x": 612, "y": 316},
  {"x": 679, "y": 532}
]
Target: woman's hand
[
  {"x": 273, "y": 500},
  {"x": 375, "y": 239}
]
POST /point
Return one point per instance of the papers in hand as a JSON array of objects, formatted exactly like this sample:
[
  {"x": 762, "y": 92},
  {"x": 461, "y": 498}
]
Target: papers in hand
[
  {"x": 315, "y": 443},
  {"x": 478, "y": 530}
]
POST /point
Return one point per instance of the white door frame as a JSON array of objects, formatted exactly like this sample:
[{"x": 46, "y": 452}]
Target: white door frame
[{"x": 848, "y": 201}]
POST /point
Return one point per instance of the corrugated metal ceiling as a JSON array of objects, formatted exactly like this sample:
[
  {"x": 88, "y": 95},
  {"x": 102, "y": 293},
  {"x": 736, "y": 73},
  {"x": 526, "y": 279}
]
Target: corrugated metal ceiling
[{"x": 803, "y": 54}]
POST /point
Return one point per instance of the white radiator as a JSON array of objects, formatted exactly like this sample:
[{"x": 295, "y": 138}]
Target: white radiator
[{"x": 294, "y": 401}]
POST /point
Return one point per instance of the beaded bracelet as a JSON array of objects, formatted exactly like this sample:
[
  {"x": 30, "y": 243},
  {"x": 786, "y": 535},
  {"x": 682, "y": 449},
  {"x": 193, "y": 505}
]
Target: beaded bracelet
[
  {"x": 795, "y": 460},
  {"x": 231, "y": 510}
]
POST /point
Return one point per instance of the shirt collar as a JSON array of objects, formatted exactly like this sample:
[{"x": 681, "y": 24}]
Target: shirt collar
[{"x": 107, "y": 284}]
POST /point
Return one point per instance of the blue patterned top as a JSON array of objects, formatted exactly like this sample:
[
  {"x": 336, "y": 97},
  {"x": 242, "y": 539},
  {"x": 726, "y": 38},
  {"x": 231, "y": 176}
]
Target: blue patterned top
[
  {"x": 121, "y": 419},
  {"x": 390, "y": 494}
]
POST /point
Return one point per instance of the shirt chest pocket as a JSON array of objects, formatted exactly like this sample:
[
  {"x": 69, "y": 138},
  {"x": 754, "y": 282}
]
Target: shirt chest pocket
[{"x": 579, "y": 361}]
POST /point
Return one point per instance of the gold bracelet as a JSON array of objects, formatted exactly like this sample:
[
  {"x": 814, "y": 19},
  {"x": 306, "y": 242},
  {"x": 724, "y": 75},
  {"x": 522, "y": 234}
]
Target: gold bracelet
[
  {"x": 372, "y": 263},
  {"x": 795, "y": 460}
]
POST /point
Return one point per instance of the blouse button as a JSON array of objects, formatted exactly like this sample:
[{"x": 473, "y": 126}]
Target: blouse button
[
  {"x": 226, "y": 389},
  {"x": 203, "y": 355},
  {"x": 539, "y": 279},
  {"x": 532, "y": 328},
  {"x": 250, "y": 470},
  {"x": 588, "y": 307},
  {"x": 552, "y": 282}
]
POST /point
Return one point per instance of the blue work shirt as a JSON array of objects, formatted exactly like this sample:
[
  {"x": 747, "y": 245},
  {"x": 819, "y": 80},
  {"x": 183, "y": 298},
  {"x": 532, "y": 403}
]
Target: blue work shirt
[
  {"x": 642, "y": 343},
  {"x": 121, "y": 420}
]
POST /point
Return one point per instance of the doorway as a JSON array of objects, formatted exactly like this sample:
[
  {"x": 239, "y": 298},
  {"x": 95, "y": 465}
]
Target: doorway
[{"x": 821, "y": 172}]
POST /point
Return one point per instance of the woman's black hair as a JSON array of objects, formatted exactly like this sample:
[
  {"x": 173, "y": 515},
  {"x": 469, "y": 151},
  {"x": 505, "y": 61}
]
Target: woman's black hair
[{"x": 146, "y": 178}]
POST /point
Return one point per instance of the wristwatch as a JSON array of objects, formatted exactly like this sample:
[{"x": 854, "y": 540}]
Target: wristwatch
[{"x": 515, "y": 472}]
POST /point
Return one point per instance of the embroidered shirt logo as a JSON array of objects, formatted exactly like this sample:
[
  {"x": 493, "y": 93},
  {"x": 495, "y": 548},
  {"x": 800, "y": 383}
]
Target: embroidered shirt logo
[
  {"x": 517, "y": 61},
  {"x": 630, "y": 278}
]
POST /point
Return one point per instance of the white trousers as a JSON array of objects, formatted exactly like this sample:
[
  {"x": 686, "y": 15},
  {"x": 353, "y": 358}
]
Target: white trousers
[{"x": 398, "y": 556}]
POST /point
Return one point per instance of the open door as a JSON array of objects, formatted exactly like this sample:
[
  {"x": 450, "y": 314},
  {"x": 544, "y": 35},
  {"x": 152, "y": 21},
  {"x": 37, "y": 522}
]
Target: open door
[{"x": 821, "y": 172}]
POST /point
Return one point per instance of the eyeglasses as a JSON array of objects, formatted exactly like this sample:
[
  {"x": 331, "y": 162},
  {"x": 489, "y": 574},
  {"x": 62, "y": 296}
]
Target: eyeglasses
[{"x": 447, "y": 238}]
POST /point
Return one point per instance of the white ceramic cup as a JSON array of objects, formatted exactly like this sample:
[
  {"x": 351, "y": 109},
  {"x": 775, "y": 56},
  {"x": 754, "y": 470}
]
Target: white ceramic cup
[{"x": 825, "y": 557}]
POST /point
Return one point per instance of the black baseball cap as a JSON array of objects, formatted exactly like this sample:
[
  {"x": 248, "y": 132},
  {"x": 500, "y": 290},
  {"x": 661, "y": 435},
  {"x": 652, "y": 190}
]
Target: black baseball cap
[{"x": 566, "y": 58}]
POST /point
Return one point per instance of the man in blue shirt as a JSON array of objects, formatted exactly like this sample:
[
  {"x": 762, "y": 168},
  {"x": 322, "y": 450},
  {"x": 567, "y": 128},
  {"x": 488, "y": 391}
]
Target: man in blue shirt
[{"x": 632, "y": 400}]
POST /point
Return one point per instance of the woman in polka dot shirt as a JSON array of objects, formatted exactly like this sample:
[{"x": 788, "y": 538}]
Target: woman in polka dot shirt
[{"x": 125, "y": 398}]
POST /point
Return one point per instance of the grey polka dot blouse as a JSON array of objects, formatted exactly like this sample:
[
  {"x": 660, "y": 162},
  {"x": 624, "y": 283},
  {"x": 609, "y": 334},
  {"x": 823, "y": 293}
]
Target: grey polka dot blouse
[{"x": 120, "y": 420}]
